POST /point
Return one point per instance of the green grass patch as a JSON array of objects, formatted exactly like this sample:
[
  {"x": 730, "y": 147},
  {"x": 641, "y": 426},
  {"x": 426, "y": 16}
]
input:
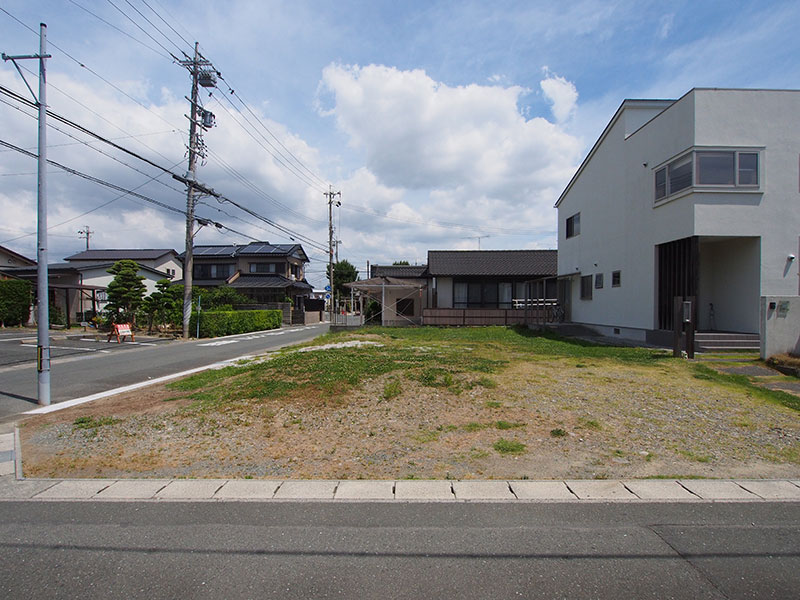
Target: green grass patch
[
  {"x": 493, "y": 404},
  {"x": 473, "y": 426},
  {"x": 90, "y": 422},
  {"x": 589, "y": 423},
  {"x": 507, "y": 425},
  {"x": 392, "y": 389},
  {"x": 557, "y": 433},
  {"x": 504, "y": 446},
  {"x": 743, "y": 383}
]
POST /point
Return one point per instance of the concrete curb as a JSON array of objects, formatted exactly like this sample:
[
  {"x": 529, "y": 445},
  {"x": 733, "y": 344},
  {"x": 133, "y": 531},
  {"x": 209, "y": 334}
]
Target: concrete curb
[{"x": 403, "y": 491}]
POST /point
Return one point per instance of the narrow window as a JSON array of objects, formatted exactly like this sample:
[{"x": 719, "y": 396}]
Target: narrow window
[
  {"x": 574, "y": 225},
  {"x": 661, "y": 183},
  {"x": 748, "y": 168},
  {"x": 598, "y": 281},
  {"x": 586, "y": 287},
  {"x": 680, "y": 174},
  {"x": 616, "y": 278}
]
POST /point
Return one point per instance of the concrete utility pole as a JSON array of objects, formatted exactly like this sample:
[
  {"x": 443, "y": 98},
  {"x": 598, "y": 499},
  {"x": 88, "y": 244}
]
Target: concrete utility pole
[
  {"x": 331, "y": 195},
  {"x": 85, "y": 232},
  {"x": 42, "y": 288},
  {"x": 194, "y": 149}
]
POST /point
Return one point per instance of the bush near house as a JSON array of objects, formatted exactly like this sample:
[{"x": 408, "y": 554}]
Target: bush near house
[
  {"x": 230, "y": 322},
  {"x": 15, "y": 302}
]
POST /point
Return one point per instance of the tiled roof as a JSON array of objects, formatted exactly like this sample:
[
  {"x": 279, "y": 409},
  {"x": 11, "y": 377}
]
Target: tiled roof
[
  {"x": 250, "y": 281},
  {"x": 411, "y": 271},
  {"x": 122, "y": 254},
  {"x": 512, "y": 263}
]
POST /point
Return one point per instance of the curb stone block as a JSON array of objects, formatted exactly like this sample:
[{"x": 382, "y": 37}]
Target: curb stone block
[
  {"x": 717, "y": 490},
  {"x": 541, "y": 490},
  {"x": 133, "y": 489},
  {"x": 75, "y": 489},
  {"x": 247, "y": 489},
  {"x": 423, "y": 490},
  {"x": 190, "y": 489},
  {"x": 482, "y": 490},
  {"x": 365, "y": 490},
  {"x": 600, "y": 490},
  {"x": 772, "y": 490},
  {"x": 658, "y": 489},
  {"x": 307, "y": 490}
]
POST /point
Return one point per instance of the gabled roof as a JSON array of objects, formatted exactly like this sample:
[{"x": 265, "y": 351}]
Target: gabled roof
[
  {"x": 410, "y": 271},
  {"x": 19, "y": 257},
  {"x": 254, "y": 249},
  {"x": 122, "y": 254},
  {"x": 511, "y": 263}
]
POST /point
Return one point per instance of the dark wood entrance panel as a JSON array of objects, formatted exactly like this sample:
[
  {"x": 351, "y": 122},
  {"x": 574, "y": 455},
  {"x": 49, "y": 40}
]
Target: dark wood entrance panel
[{"x": 678, "y": 275}]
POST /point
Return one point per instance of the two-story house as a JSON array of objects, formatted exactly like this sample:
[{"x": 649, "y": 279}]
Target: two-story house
[
  {"x": 262, "y": 271},
  {"x": 696, "y": 197}
]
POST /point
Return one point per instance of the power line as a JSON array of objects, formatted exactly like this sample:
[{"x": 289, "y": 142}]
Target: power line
[
  {"x": 122, "y": 31},
  {"x": 142, "y": 29}
]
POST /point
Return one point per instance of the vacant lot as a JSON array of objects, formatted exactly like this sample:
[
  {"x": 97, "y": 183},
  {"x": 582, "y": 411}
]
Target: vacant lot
[{"x": 432, "y": 403}]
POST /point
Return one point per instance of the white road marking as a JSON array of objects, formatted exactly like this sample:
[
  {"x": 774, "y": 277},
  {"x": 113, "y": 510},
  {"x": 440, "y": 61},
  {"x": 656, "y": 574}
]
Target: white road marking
[
  {"x": 68, "y": 348},
  {"x": 220, "y": 343}
]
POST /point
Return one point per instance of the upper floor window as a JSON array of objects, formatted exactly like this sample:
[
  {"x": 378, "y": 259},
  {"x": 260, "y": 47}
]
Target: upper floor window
[
  {"x": 213, "y": 271},
  {"x": 262, "y": 267},
  {"x": 727, "y": 168},
  {"x": 707, "y": 168},
  {"x": 574, "y": 225}
]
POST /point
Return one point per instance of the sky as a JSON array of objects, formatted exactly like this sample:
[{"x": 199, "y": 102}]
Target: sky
[{"x": 443, "y": 124}]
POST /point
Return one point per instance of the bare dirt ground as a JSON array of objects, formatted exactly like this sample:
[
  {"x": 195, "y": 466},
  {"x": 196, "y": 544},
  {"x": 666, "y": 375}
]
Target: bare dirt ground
[{"x": 557, "y": 418}]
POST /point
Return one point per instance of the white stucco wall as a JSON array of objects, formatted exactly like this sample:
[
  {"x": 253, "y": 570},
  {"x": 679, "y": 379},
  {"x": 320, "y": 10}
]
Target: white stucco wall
[
  {"x": 780, "y": 326},
  {"x": 621, "y": 226}
]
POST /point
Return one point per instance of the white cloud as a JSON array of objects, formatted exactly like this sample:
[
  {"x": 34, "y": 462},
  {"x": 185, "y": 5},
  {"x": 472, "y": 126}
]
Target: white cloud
[
  {"x": 561, "y": 94},
  {"x": 417, "y": 133}
]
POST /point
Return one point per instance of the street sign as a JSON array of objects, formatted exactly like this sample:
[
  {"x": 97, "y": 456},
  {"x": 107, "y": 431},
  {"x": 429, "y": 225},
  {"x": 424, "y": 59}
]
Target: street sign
[
  {"x": 327, "y": 296},
  {"x": 327, "y": 288}
]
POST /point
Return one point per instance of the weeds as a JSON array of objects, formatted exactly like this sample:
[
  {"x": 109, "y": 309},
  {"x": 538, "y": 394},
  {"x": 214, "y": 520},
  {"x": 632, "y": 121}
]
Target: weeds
[{"x": 504, "y": 446}]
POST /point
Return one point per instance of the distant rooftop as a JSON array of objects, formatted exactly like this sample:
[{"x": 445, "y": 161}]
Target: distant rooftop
[
  {"x": 251, "y": 249},
  {"x": 398, "y": 271},
  {"x": 122, "y": 254},
  {"x": 511, "y": 263}
]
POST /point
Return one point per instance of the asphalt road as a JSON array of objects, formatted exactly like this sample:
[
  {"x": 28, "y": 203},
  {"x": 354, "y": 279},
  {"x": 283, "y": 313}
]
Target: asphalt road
[
  {"x": 374, "y": 550},
  {"x": 82, "y": 366}
]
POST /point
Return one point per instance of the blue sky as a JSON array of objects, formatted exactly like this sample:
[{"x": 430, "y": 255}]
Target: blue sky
[{"x": 440, "y": 122}]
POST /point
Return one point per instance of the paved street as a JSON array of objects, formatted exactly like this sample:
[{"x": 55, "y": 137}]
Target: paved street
[
  {"x": 83, "y": 365},
  {"x": 402, "y": 550}
]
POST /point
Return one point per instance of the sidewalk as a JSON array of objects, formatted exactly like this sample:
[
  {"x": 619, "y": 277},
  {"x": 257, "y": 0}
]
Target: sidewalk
[{"x": 650, "y": 490}]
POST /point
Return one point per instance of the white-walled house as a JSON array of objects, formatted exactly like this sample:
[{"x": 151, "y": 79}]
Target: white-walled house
[{"x": 699, "y": 197}]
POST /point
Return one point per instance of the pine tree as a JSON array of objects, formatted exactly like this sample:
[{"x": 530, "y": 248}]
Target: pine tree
[{"x": 125, "y": 292}]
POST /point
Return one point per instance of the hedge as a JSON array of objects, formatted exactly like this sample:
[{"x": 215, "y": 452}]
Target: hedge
[
  {"x": 15, "y": 302},
  {"x": 229, "y": 322}
]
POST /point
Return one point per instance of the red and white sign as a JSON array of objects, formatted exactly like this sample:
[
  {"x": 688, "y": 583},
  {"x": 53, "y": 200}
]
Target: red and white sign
[{"x": 119, "y": 331}]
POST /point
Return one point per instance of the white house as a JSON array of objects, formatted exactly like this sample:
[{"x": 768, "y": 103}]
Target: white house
[{"x": 697, "y": 197}]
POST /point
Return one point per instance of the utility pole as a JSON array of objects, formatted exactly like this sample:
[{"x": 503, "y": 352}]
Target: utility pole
[
  {"x": 42, "y": 288},
  {"x": 85, "y": 232},
  {"x": 195, "y": 148},
  {"x": 330, "y": 194}
]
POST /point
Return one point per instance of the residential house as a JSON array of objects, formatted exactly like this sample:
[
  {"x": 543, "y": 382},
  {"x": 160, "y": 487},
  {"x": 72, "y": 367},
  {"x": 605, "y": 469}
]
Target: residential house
[
  {"x": 165, "y": 260},
  {"x": 689, "y": 198},
  {"x": 468, "y": 287},
  {"x": 78, "y": 290},
  {"x": 9, "y": 258},
  {"x": 264, "y": 272}
]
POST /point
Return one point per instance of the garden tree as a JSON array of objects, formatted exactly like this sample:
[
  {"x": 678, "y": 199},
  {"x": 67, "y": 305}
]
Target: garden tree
[
  {"x": 15, "y": 302},
  {"x": 343, "y": 272},
  {"x": 220, "y": 297},
  {"x": 400, "y": 263},
  {"x": 125, "y": 292},
  {"x": 164, "y": 307}
]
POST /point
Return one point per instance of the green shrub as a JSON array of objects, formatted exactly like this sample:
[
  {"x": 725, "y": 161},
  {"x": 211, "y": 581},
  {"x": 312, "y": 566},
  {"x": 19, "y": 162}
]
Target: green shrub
[
  {"x": 231, "y": 322},
  {"x": 15, "y": 302}
]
